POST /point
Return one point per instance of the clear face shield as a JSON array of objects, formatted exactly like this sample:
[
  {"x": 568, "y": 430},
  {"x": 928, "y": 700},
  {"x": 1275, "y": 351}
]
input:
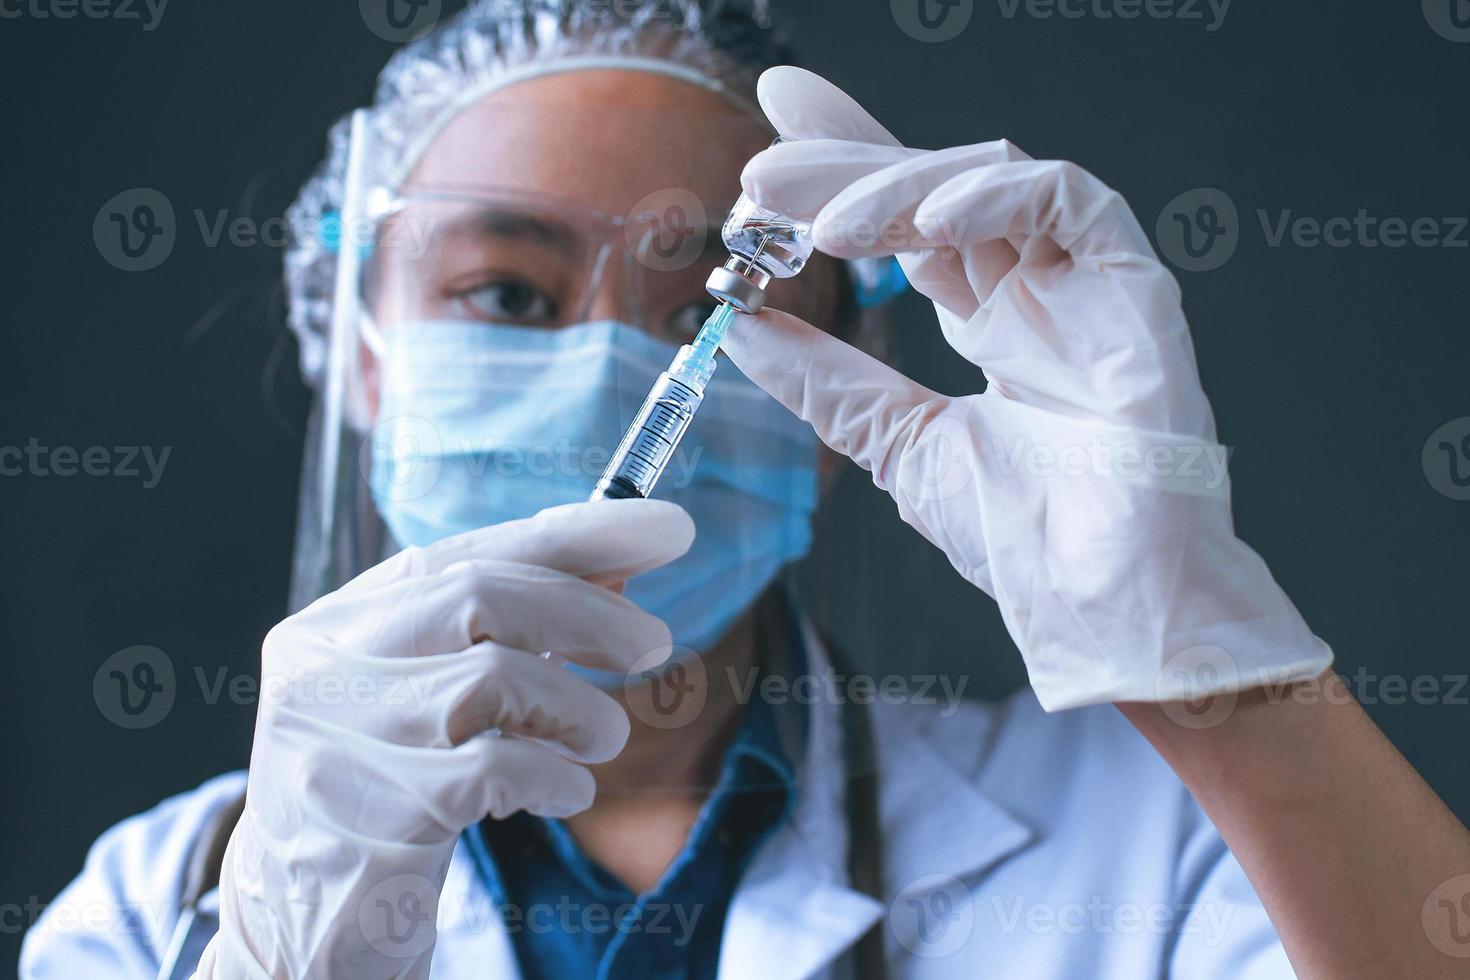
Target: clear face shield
[{"x": 491, "y": 341}]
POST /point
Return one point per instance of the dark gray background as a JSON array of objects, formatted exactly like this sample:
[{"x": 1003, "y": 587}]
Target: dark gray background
[{"x": 1328, "y": 368}]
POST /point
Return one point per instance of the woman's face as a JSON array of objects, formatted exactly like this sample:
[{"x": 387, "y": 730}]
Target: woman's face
[{"x": 574, "y": 197}]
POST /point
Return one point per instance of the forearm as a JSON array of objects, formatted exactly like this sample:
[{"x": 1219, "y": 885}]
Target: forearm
[{"x": 1340, "y": 836}]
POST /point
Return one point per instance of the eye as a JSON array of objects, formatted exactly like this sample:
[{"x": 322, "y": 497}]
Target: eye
[
  {"x": 509, "y": 301},
  {"x": 686, "y": 320}
]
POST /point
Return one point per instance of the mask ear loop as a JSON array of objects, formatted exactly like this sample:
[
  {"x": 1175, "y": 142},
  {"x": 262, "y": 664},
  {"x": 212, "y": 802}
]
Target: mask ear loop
[
  {"x": 641, "y": 258},
  {"x": 593, "y": 280},
  {"x": 360, "y": 237},
  {"x": 380, "y": 204},
  {"x": 631, "y": 309},
  {"x": 619, "y": 240},
  {"x": 369, "y": 332}
]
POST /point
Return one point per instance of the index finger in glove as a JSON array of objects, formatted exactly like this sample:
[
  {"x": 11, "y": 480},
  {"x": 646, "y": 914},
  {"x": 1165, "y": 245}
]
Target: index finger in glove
[
  {"x": 803, "y": 105},
  {"x": 916, "y": 442},
  {"x": 528, "y": 607},
  {"x": 879, "y": 189},
  {"x": 603, "y": 541},
  {"x": 1008, "y": 198},
  {"x": 858, "y": 405},
  {"x": 492, "y": 686},
  {"x": 1035, "y": 197},
  {"x": 442, "y": 701},
  {"x": 882, "y": 184}
]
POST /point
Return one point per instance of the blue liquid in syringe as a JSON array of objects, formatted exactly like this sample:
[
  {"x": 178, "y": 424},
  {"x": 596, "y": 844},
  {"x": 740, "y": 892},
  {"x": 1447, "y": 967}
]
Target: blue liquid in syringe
[
  {"x": 712, "y": 335},
  {"x": 649, "y": 443}
]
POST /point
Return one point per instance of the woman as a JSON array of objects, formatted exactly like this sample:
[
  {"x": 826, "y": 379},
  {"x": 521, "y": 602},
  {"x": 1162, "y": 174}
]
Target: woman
[{"x": 491, "y": 269}]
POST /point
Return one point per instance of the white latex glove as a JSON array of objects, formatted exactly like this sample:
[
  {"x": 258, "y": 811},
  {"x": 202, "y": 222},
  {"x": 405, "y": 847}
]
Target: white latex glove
[
  {"x": 1084, "y": 489},
  {"x": 380, "y": 750}
]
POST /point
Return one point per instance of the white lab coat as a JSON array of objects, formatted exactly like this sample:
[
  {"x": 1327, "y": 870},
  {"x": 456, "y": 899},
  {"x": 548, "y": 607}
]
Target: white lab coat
[{"x": 1016, "y": 845}]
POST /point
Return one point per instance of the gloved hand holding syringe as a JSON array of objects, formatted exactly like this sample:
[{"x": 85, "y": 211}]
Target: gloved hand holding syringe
[{"x": 763, "y": 245}]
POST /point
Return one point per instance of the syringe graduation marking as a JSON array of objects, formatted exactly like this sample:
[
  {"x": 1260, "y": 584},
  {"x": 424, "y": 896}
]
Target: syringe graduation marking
[{"x": 669, "y": 409}]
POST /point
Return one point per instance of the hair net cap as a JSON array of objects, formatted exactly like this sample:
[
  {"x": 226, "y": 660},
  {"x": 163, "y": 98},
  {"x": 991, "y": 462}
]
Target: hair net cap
[{"x": 723, "y": 44}]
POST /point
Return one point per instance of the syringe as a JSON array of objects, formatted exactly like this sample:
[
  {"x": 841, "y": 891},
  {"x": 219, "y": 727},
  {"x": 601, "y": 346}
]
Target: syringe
[
  {"x": 763, "y": 244},
  {"x": 651, "y": 440}
]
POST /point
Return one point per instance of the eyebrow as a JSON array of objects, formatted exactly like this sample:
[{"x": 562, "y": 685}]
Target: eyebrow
[{"x": 504, "y": 223}]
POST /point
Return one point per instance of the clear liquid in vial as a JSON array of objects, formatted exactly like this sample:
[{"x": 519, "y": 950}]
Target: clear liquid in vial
[{"x": 788, "y": 242}]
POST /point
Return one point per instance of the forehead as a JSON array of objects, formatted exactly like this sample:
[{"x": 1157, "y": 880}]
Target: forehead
[{"x": 604, "y": 138}]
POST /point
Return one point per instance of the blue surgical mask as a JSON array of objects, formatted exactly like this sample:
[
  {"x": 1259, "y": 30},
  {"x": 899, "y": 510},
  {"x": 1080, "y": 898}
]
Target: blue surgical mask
[{"x": 481, "y": 423}]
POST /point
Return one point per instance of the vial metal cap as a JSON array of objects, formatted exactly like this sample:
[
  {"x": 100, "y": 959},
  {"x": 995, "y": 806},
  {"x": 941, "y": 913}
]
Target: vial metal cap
[{"x": 744, "y": 290}]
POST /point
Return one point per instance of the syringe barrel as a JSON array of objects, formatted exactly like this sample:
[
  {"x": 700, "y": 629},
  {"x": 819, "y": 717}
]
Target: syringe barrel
[{"x": 650, "y": 442}]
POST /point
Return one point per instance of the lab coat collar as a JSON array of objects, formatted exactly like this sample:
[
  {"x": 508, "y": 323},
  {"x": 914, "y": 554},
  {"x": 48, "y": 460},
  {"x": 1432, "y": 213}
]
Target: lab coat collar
[{"x": 796, "y": 911}]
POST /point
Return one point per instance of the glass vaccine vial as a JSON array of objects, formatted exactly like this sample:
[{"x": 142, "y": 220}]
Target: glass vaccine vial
[{"x": 764, "y": 245}]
